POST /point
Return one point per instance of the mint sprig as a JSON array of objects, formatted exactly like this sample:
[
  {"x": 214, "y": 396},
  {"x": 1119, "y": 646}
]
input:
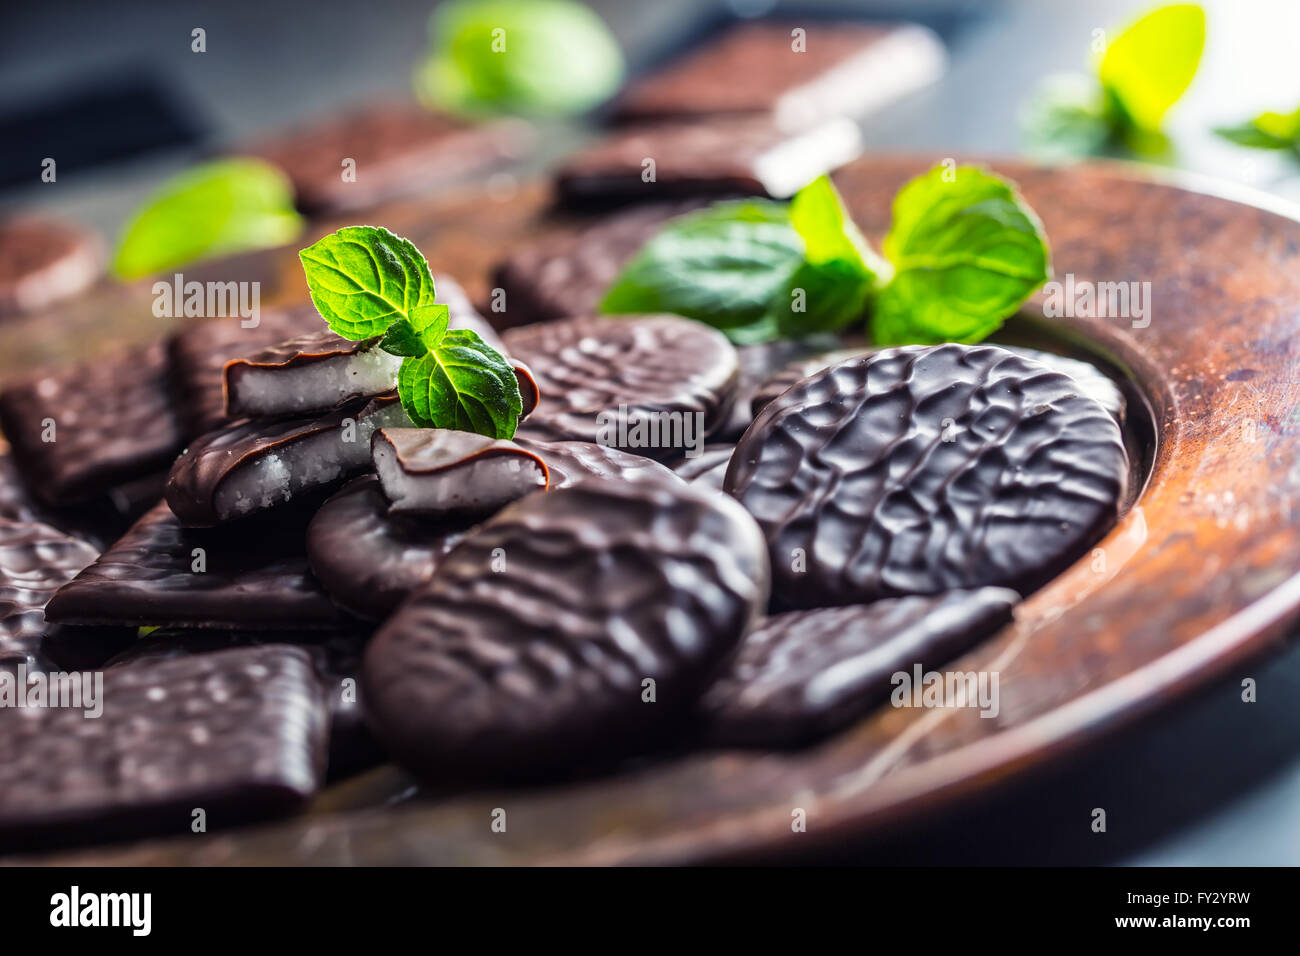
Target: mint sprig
[
  {"x": 368, "y": 283},
  {"x": 963, "y": 253},
  {"x": 1138, "y": 77},
  {"x": 1269, "y": 130}
]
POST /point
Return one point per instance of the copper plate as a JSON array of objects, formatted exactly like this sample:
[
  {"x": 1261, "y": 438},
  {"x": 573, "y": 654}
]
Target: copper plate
[{"x": 1200, "y": 573}]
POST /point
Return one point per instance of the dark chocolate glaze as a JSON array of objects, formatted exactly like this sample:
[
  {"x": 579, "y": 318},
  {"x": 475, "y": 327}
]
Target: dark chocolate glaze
[
  {"x": 215, "y": 457},
  {"x": 708, "y": 468},
  {"x": 35, "y": 561},
  {"x": 337, "y": 658},
  {"x": 399, "y": 148},
  {"x": 239, "y": 733},
  {"x": 645, "y": 365},
  {"x": 802, "y": 675},
  {"x": 256, "y": 577},
  {"x": 861, "y": 497},
  {"x": 199, "y": 354},
  {"x": 43, "y": 261},
  {"x": 728, "y": 157},
  {"x": 113, "y": 422},
  {"x": 526, "y": 653},
  {"x": 555, "y": 276},
  {"x": 760, "y": 362},
  {"x": 746, "y": 70},
  {"x": 369, "y": 560},
  {"x": 569, "y": 462}
]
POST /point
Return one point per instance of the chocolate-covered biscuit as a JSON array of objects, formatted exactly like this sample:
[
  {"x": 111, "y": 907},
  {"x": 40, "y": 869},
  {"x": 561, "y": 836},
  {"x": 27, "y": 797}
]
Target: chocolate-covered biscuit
[
  {"x": 199, "y": 353},
  {"x": 744, "y": 156},
  {"x": 799, "y": 72},
  {"x": 802, "y": 675},
  {"x": 758, "y": 363},
  {"x": 243, "y": 575},
  {"x": 337, "y": 659},
  {"x": 308, "y": 374},
  {"x": 569, "y": 462},
  {"x": 79, "y": 431},
  {"x": 35, "y": 561},
  {"x": 42, "y": 261},
  {"x": 238, "y": 734},
  {"x": 441, "y": 471},
  {"x": 367, "y": 155},
  {"x": 655, "y": 385},
  {"x": 571, "y": 627},
  {"x": 369, "y": 559},
  {"x": 554, "y": 277},
  {"x": 253, "y": 466},
  {"x": 922, "y": 469},
  {"x": 1092, "y": 381},
  {"x": 707, "y": 468}
]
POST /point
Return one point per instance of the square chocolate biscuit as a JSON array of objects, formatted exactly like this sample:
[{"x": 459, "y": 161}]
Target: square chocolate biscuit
[
  {"x": 752, "y": 156},
  {"x": 394, "y": 149},
  {"x": 79, "y": 431},
  {"x": 802, "y": 73}
]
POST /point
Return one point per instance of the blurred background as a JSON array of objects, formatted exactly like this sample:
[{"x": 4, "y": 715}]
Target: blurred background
[{"x": 127, "y": 102}]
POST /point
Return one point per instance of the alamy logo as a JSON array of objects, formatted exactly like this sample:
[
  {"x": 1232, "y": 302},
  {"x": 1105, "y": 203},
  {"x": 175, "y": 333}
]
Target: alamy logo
[
  {"x": 639, "y": 429},
  {"x": 208, "y": 300},
  {"x": 932, "y": 689},
  {"x": 77, "y": 690},
  {"x": 74, "y": 908},
  {"x": 1098, "y": 300}
]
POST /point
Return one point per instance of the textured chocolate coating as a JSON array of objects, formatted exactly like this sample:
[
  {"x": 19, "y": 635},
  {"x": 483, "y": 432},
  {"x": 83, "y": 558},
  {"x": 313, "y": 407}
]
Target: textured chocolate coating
[
  {"x": 527, "y": 651},
  {"x": 399, "y": 148},
  {"x": 921, "y": 469},
  {"x": 570, "y": 462},
  {"x": 43, "y": 261},
  {"x": 196, "y": 478},
  {"x": 740, "y": 156},
  {"x": 113, "y": 422},
  {"x": 841, "y": 68},
  {"x": 35, "y": 561},
  {"x": 199, "y": 354},
  {"x": 760, "y": 362},
  {"x": 256, "y": 577},
  {"x": 555, "y": 277},
  {"x": 802, "y": 675},
  {"x": 337, "y": 659},
  {"x": 1091, "y": 380},
  {"x": 598, "y": 372},
  {"x": 368, "y": 559},
  {"x": 707, "y": 468},
  {"x": 240, "y": 734},
  {"x": 314, "y": 346}
]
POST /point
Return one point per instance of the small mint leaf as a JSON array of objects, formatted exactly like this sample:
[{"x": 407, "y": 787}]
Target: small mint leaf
[
  {"x": 402, "y": 339},
  {"x": 363, "y": 279},
  {"x": 462, "y": 383}
]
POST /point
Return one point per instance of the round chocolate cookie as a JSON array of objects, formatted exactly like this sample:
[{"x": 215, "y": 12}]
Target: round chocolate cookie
[
  {"x": 369, "y": 560},
  {"x": 43, "y": 261},
  {"x": 652, "y": 385},
  {"x": 919, "y": 469},
  {"x": 570, "y": 462},
  {"x": 574, "y": 626}
]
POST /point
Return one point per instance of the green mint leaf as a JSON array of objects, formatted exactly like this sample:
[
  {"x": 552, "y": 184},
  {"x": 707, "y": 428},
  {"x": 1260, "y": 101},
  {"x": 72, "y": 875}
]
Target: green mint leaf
[
  {"x": 462, "y": 383},
  {"x": 543, "y": 57},
  {"x": 1068, "y": 116},
  {"x": 1266, "y": 131},
  {"x": 1148, "y": 67},
  {"x": 362, "y": 279},
  {"x": 723, "y": 265},
  {"x": 418, "y": 334},
  {"x": 215, "y": 209},
  {"x": 840, "y": 271},
  {"x": 967, "y": 251}
]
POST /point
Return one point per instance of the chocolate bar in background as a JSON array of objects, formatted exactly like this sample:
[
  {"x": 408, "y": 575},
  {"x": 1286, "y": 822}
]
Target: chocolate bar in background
[
  {"x": 43, "y": 261},
  {"x": 396, "y": 148},
  {"x": 79, "y": 431},
  {"x": 750, "y": 155},
  {"x": 559, "y": 276},
  {"x": 240, "y": 734},
  {"x": 235, "y": 577},
  {"x": 801, "y": 73}
]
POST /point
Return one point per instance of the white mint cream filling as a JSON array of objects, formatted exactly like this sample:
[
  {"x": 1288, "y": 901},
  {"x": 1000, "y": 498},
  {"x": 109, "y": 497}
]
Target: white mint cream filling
[
  {"x": 258, "y": 391},
  {"x": 455, "y": 474}
]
